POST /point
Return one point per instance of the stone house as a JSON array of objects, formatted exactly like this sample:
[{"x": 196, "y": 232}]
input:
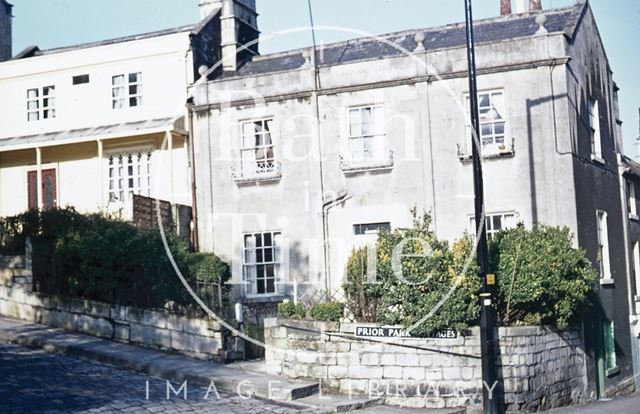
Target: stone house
[
  {"x": 305, "y": 154},
  {"x": 91, "y": 124}
]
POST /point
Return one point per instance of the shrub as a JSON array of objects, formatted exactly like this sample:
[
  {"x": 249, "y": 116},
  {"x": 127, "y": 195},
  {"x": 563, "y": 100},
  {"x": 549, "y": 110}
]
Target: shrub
[
  {"x": 330, "y": 311},
  {"x": 361, "y": 298},
  {"x": 542, "y": 278},
  {"x": 290, "y": 310},
  {"x": 97, "y": 258}
]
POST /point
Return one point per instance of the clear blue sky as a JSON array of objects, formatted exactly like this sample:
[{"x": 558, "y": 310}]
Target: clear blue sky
[{"x": 52, "y": 23}]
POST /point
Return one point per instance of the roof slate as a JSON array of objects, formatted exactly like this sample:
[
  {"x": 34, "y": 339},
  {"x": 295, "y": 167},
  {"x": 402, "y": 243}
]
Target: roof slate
[{"x": 395, "y": 44}]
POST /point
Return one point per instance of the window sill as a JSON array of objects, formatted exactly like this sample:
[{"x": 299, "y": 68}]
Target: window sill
[
  {"x": 467, "y": 158},
  {"x": 267, "y": 298},
  {"x": 598, "y": 160},
  {"x": 267, "y": 176},
  {"x": 607, "y": 282},
  {"x": 351, "y": 166},
  {"x": 636, "y": 298},
  {"x": 634, "y": 217},
  {"x": 612, "y": 371}
]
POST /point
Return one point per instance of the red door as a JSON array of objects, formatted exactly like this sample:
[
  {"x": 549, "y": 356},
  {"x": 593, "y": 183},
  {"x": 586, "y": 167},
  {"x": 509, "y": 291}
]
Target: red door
[{"x": 49, "y": 189}]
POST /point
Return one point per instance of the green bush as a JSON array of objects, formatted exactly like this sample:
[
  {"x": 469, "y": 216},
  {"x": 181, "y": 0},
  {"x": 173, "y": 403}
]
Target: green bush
[
  {"x": 97, "y": 258},
  {"x": 330, "y": 311},
  {"x": 542, "y": 278},
  {"x": 362, "y": 299},
  {"x": 290, "y": 310}
]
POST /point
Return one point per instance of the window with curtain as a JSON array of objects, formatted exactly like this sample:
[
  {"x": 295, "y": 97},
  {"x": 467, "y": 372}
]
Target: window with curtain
[
  {"x": 366, "y": 133},
  {"x": 262, "y": 262},
  {"x": 257, "y": 150},
  {"x": 493, "y": 122}
]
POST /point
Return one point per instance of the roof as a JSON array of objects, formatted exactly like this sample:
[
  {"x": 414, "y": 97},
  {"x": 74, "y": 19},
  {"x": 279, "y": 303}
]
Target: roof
[
  {"x": 34, "y": 50},
  {"x": 90, "y": 134},
  {"x": 631, "y": 167},
  {"x": 563, "y": 20}
]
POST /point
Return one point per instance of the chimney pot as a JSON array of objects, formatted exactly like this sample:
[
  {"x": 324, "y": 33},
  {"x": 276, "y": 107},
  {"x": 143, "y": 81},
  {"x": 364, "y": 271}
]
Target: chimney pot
[
  {"x": 505, "y": 7},
  {"x": 535, "y": 5}
]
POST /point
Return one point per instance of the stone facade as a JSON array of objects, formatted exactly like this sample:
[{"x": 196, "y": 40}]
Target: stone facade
[
  {"x": 539, "y": 368},
  {"x": 198, "y": 338}
]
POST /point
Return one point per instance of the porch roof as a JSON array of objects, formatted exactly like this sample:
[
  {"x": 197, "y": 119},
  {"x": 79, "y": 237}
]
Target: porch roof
[{"x": 103, "y": 132}]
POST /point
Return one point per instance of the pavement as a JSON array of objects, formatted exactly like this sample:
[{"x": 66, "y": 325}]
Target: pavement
[{"x": 46, "y": 370}]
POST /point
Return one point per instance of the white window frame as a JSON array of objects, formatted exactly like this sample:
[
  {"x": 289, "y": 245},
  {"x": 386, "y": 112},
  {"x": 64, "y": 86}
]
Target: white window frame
[
  {"x": 42, "y": 105},
  {"x": 377, "y": 227},
  {"x": 508, "y": 220},
  {"x": 631, "y": 199},
  {"x": 257, "y": 158},
  {"x": 119, "y": 188},
  {"x": 495, "y": 142},
  {"x": 251, "y": 266},
  {"x": 594, "y": 129},
  {"x": 372, "y": 146},
  {"x": 604, "y": 259},
  {"x": 124, "y": 98},
  {"x": 636, "y": 267}
]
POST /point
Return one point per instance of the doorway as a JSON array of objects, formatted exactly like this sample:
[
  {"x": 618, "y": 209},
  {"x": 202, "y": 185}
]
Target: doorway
[{"x": 49, "y": 189}]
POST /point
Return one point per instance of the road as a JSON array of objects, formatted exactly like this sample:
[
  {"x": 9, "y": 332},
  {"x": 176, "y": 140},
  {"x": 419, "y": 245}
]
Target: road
[{"x": 34, "y": 381}]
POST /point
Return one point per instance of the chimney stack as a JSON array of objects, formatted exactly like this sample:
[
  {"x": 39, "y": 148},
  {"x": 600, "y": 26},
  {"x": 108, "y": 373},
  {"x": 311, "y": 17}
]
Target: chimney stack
[
  {"x": 5, "y": 31},
  {"x": 505, "y": 7},
  {"x": 535, "y": 5},
  {"x": 238, "y": 26}
]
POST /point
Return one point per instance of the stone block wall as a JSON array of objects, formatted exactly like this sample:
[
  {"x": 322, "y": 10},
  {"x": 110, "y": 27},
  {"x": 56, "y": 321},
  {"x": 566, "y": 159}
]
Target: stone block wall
[
  {"x": 199, "y": 338},
  {"x": 538, "y": 368}
]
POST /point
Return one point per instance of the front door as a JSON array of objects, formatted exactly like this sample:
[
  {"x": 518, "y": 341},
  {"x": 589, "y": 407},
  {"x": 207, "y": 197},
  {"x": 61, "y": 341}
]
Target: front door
[{"x": 49, "y": 189}]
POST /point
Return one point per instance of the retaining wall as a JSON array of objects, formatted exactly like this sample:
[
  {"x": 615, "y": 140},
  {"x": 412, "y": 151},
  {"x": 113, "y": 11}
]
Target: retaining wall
[
  {"x": 539, "y": 368},
  {"x": 199, "y": 338}
]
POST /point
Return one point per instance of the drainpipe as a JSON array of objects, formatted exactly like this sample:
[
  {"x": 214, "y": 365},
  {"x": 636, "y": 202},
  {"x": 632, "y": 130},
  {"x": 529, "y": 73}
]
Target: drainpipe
[
  {"x": 192, "y": 166},
  {"x": 326, "y": 206}
]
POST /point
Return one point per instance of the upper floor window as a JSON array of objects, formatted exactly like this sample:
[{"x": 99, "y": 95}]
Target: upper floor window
[
  {"x": 495, "y": 222},
  {"x": 594, "y": 128},
  {"x": 631, "y": 199},
  {"x": 493, "y": 121},
  {"x": 603, "y": 246},
  {"x": 126, "y": 90},
  {"x": 262, "y": 261},
  {"x": 257, "y": 153},
  {"x": 129, "y": 173},
  {"x": 366, "y": 133},
  {"x": 41, "y": 103}
]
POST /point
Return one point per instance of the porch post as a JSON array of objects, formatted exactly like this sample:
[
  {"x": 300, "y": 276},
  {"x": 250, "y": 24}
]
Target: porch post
[
  {"x": 39, "y": 177},
  {"x": 101, "y": 174},
  {"x": 169, "y": 137}
]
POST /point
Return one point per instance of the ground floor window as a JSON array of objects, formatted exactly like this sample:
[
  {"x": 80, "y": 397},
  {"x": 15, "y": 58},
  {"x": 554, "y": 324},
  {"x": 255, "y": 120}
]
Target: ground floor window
[
  {"x": 129, "y": 173},
  {"x": 495, "y": 222},
  {"x": 370, "y": 228},
  {"x": 262, "y": 262},
  {"x": 611, "y": 363}
]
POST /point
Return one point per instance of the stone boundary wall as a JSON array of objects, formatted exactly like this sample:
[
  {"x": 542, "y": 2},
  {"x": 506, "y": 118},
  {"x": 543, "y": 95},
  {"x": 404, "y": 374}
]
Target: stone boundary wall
[
  {"x": 199, "y": 338},
  {"x": 539, "y": 368}
]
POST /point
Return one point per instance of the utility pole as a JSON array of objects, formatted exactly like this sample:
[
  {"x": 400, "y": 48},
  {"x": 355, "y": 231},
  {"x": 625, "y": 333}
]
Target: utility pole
[{"x": 487, "y": 310}]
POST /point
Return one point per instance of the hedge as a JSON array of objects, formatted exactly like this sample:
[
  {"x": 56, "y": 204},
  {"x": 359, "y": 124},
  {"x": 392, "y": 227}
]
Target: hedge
[{"x": 98, "y": 258}]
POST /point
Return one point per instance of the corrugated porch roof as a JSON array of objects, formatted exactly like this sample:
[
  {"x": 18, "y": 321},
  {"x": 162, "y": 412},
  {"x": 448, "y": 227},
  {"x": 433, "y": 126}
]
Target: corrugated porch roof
[{"x": 103, "y": 132}]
